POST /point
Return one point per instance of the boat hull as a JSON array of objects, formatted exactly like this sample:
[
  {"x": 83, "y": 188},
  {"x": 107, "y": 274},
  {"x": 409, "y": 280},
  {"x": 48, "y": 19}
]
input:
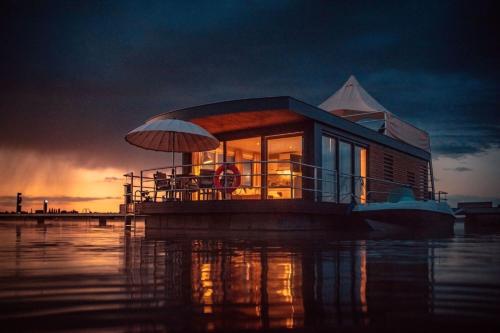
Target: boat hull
[{"x": 404, "y": 219}]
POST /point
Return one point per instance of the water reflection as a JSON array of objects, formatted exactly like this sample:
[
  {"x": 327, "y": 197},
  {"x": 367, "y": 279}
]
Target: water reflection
[
  {"x": 253, "y": 286},
  {"x": 80, "y": 275}
]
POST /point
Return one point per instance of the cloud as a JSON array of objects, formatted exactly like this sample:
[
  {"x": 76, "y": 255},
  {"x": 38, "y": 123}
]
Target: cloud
[
  {"x": 458, "y": 169},
  {"x": 461, "y": 145},
  {"x": 454, "y": 199},
  {"x": 113, "y": 179},
  {"x": 459, "y": 110},
  {"x": 76, "y": 78}
]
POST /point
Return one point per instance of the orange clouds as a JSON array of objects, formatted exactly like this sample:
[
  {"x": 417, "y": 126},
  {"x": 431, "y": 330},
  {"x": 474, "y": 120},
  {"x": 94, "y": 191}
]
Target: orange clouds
[{"x": 60, "y": 178}]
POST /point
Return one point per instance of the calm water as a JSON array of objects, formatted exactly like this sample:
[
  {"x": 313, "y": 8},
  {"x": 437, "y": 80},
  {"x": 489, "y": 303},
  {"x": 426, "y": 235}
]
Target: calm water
[{"x": 77, "y": 276}]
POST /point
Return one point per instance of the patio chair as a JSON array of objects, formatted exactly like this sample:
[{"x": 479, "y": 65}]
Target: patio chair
[
  {"x": 206, "y": 184},
  {"x": 162, "y": 183}
]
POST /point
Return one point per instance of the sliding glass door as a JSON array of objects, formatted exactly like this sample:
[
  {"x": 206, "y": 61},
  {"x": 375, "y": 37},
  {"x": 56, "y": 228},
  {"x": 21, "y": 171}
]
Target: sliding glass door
[
  {"x": 345, "y": 172},
  {"x": 245, "y": 154},
  {"x": 328, "y": 169}
]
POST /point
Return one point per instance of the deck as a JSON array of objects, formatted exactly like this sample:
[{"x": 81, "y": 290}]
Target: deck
[
  {"x": 278, "y": 195},
  {"x": 242, "y": 207},
  {"x": 233, "y": 215}
]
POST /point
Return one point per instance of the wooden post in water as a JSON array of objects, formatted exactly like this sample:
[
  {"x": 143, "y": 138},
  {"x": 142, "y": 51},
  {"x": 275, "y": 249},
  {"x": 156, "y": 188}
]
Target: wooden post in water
[
  {"x": 128, "y": 220},
  {"x": 128, "y": 200}
]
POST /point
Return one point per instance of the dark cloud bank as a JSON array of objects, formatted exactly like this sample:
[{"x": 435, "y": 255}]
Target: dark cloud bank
[
  {"x": 76, "y": 76},
  {"x": 458, "y": 169}
]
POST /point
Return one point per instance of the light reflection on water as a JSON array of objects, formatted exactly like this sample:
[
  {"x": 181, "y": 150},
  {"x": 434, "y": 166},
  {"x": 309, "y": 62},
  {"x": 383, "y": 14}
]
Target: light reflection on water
[{"x": 77, "y": 275}]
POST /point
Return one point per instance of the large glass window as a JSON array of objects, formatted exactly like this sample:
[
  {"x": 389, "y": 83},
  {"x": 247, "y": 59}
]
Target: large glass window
[
  {"x": 328, "y": 176},
  {"x": 284, "y": 173},
  {"x": 204, "y": 166},
  {"x": 360, "y": 174},
  {"x": 345, "y": 171},
  {"x": 245, "y": 154},
  {"x": 208, "y": 160}
]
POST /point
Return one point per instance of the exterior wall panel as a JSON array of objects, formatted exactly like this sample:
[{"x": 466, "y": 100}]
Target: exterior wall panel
[{"x": 406, "y": 169}]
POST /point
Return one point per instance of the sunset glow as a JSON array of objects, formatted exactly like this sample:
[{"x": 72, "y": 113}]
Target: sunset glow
[
  {"x": 58, "y": 179},
  {"x": 249, "y": 166}
]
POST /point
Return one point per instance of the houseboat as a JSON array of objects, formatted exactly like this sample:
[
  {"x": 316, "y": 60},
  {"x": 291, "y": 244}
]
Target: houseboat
[{"x": 283, "y": 164}]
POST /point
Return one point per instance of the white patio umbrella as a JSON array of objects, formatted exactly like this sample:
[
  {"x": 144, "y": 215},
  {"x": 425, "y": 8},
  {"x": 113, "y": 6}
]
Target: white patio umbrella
[{"x": 172, "y": 135}]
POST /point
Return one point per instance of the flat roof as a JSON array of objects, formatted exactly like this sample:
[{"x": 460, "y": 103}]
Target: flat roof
[{"x": 274, "y": 110}]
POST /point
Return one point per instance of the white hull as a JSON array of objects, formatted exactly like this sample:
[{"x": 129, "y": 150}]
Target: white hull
[{"x": 410, "y": 214}]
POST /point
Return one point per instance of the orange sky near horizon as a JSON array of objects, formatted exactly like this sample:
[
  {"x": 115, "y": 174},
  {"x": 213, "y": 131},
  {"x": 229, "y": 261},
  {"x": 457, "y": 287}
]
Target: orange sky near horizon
[
  {"x": 59, "y": 179},
  {"x": 69, "y": 185}
]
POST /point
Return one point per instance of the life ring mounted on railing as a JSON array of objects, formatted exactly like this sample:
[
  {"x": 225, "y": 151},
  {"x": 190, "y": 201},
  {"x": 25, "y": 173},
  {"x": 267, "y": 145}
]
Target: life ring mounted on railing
[{"x": 227, "y": 182}]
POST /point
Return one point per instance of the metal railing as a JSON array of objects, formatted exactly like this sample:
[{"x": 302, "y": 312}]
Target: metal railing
[
  {"x": 288, "y": 179},
  {"x": 379, "y": 190},
  {"x": 283, "y": 179}
]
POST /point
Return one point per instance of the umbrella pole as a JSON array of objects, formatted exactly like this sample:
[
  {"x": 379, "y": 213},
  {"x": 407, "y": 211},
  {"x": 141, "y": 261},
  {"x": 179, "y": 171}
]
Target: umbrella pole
[
  {"x": 173, "y": 156},
  {"x": 173, "y": 169}
]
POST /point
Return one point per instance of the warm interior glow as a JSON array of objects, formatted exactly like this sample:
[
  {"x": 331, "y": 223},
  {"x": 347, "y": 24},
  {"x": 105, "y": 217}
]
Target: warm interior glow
[
  {"x": 207, "y": 158},
  {"x": 245, "y": 153},
  {"x": 284, "y": 177},
  {"x": 360, "y": 174},
  {"x": 362, "y": 159}
]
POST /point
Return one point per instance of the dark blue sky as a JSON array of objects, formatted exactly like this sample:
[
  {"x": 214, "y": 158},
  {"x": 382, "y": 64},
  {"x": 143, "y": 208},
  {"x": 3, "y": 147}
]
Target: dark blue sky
[{"x": 76, "y": 76}]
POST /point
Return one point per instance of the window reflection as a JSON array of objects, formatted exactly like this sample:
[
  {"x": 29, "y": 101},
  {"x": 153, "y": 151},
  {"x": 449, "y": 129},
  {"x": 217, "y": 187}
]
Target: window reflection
[
  {"x": 328, "y": 175},
  {"x": 268, "y": 286},
  {"x": 345, "y": 171}
]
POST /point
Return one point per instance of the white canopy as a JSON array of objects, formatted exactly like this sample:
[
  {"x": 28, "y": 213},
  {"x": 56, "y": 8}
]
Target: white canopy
[
  {"x": 352, "y": 102},
  {"x": 353, "y": 97},
  {"x": 172, "y": 135}
]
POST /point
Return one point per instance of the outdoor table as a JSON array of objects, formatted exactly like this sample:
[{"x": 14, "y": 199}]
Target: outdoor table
[{"x": 186, "y": 185}]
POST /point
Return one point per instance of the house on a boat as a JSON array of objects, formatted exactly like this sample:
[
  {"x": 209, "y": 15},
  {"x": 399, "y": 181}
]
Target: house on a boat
[{"x": 284, "y": 159}]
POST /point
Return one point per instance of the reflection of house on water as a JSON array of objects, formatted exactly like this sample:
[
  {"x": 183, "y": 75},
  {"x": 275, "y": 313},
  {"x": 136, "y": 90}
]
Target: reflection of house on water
[
  {"x": 235, "y": 285},
  {"x": 400, "y": 282}
]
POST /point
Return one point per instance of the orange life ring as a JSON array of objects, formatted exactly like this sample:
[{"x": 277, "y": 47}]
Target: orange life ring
[{"x": 236, "y": 178}]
